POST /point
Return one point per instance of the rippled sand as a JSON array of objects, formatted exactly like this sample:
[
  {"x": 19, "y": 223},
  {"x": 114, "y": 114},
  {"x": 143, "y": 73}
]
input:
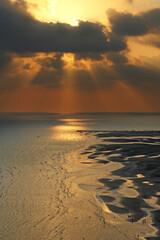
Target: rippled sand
[
  {"x": 57, "y": 183},
  {"x": 33, "y": 188},
  {"x": 130, "y": 180}
]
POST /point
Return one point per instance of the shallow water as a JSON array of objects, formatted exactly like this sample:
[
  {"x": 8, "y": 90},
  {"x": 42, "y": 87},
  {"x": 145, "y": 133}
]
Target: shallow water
[{"x": 41, "y": 174}]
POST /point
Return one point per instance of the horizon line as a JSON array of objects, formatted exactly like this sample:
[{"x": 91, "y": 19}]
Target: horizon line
[{"x": 65, "y": 113}]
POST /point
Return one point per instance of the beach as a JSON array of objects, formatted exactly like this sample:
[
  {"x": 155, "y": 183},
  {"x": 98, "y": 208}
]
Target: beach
[
  {"x": 79, "y": 120},
  {"x": 68, "y": 177}
]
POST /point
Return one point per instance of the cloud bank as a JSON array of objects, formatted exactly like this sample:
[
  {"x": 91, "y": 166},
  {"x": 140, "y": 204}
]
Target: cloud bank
[
  {"x": 33, "y": 53},
  {"x": 20, "y": 32},
  {"x": 127, "y": 24}
]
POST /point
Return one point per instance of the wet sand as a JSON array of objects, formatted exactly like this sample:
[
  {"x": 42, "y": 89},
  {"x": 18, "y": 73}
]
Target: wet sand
[
  {"x": 79, "y": 186},
  {"x": 130, "y": 184}
]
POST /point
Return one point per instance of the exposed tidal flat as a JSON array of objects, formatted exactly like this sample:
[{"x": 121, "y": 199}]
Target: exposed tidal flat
[
  {"x": 132, "y": 180},
  {"x": 63, "y": 177}
]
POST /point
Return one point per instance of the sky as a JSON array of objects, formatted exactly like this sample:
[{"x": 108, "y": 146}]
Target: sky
[{"x": 69, "y": 56}]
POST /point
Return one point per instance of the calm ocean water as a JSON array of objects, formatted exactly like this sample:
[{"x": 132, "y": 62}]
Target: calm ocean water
[{"x": 91, "y": 121}]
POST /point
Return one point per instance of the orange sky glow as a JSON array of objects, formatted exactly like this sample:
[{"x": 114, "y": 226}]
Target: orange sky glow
[{"x": 114, "y": 80}]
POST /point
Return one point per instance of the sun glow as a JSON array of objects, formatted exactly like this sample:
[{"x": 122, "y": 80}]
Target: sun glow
[
  {"x": 77, "y": 20},
  {"x": 68, "y": 132},
  {"x": 43, "y": 10},
  {"x": 66, "y": 11},
  {"x": 52, "y": 7}
]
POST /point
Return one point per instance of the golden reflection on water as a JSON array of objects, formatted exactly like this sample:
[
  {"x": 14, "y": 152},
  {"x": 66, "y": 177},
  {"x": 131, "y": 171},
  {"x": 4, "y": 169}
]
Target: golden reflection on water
[
  {"x": 75, "y": 121},
  {"x": 68, "y": 131}
]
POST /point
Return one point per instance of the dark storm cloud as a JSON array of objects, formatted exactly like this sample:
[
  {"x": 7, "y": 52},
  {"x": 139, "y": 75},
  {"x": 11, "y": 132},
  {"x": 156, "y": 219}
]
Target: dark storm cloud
[
  {"x": 117, "y": 58},
  {"x": 56, "y": 62},
  {"x": 51, "y": 72},
  {"x": 95, "y": 56},
  {"x": 127, "y": 24},
  {"x": 116, "y": 42},
  {"x": 152, "y": 20},
  {"x": 27, "y": 66},
  {"x": 5, "y": 60},
  {"x": 100, "y": 76},
  {"x": 11, "y": 76},
  {"x": 47, "y": 78},
  {"x": 7, "y": 80},
  {"x": 21, "y": 33}
]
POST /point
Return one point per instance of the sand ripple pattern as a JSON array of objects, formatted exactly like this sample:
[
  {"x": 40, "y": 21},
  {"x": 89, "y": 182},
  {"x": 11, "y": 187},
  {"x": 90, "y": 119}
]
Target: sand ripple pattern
[
  {"x": 32, "y": 186},
  {"x": 131, "y": 180}
]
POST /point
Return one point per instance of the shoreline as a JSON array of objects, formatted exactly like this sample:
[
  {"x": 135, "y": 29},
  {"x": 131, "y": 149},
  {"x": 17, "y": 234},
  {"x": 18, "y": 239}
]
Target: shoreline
[
  {"x": 83, "y": 182},
  {"x": 84, "y": 192},
  {"x": 144, "y": 212}
]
